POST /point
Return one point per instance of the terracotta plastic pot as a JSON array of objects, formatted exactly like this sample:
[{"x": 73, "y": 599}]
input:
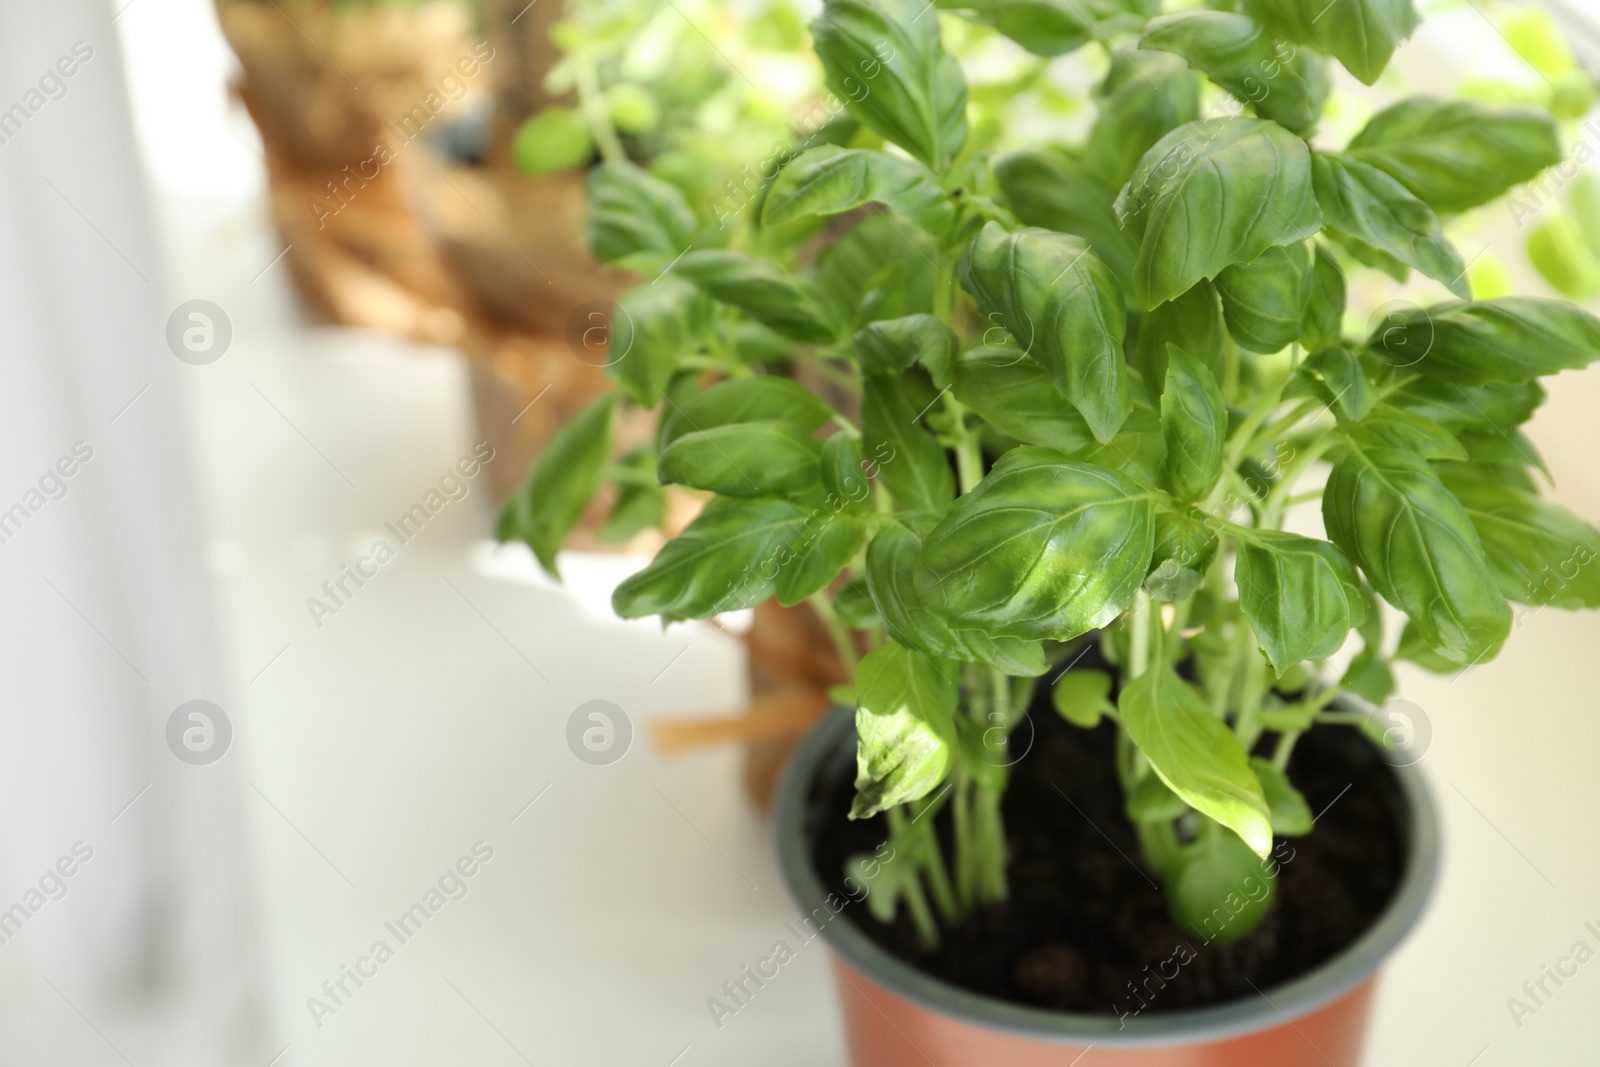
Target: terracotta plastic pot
[{"x": 897, "y": 1015}]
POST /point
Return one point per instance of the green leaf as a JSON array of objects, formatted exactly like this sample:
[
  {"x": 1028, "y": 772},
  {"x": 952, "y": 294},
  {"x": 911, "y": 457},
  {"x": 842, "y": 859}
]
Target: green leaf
[
  {"x": 1457, "y": 407},
  {"x": 1193, "y": 322},
  {"x": 1184, "y": 549},
  {"x": 1393, "y": 518},
  {"x": 1042, "y": 548},
  {"x": 767, "y": 398},
  {"x": 1264, "y": 300},
  {"x": 553, "y": 138},
  {"x": 1145, "y": 96},
  {"x": 832, "y": 180},
  {"x": 855, "y": 607},
  {"x": 565, "y": 476},
  {"x": 1457, "y": 154},
  {"x": 1557, "y": 249},
  {"x": 1043, "y": 27},
  {"x": 879, "y": 270},
  {"x": 1138, "y": 451},
  {"x": 1539, "y": 552},
  {"x": 1219, "y": 891},
  {"x": 724, "y": 560},
  {"x": 912, "y": 464},
  {"x": 1346, "y": 380},
  {"x": 1198, "y": 757},
  {"x": 653, "y": 327},
  {"x": 766, "y": 292},
  {"x": 1361, "y": 201},
  {"x": 1083, "y": 697},
  {"x": 1361, "y": 34},
  {"x": 1063, "y": 306},
  {"x": 1511, "y": 339},
  {"x": 905, "y": 728},
  {"x": 891, "y": 573},
  {"x": 632, "y": 213},
  {"x": 1325, "y": 300},
  {"x": 1387, "y": 426},
  {"x": 892, "y": 345},
  {"x": 1301, "y": 595},
  {"x": 1238, "y": 54},
  {"x": 1151, "y": 801},
  {"x": 844, "y": 478},
  {"x": 1016, "y": 397},
  {"x": 744, "y": 459},
  {"x": 1211, "y": 194},
  {"x": 1060, "y": 193},
  {"x": 818, "y": 561},
  {"x": 1291, "y": 815},
  {"x": 1194, "y": 423},
  {"x": 638, "y": 507},
  {"x": 889, "y": 66}
]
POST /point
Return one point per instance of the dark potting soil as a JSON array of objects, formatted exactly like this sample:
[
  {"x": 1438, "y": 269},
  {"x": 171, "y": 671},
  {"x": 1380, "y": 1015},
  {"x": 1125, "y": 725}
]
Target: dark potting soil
[{"x": 1084, "y": 928}]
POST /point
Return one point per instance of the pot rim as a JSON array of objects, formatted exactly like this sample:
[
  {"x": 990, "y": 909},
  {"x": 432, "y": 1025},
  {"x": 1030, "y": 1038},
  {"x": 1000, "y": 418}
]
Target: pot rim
[{"x": 1336, "y": 977}]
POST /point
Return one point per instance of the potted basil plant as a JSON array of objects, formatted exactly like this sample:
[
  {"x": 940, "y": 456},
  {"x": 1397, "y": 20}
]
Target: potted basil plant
[{"x": 1101, "y": 786}]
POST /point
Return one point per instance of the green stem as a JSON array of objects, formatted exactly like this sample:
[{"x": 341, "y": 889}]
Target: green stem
[
  {"x": 1139, "y": 635},
  {"x": 593, "y": 105},
  {"x": 837, "y": 630}
]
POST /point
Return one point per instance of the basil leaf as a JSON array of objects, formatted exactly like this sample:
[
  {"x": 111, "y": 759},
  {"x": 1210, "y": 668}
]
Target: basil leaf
[
  {"x": 879, "y": 270},
  {"x": 1145, "y": 95},
  {"x": 1138, "y": 451},
  {"x": 1387, "y": 426},
  {"x": 1211, "y": 194},
  {"x": 1557, "y": 249},
  {"x": 1042, "y": 548},
  {"x": 905, "y": 728},
  {"x": 1184, "y": 550},
  {"x": 892, "y": 345},
  {"x": 1235, "y": 52},
  {"x": 843, "y": 476},
  {"x": 766, "y": 398},
  {"x": 1193, "y": 322},
  {"x": 773, "y": 297},
  {"x": 1361, "y": 201},
  {"x": 1511, "y": 339},
  {"x": 652, "y": 328},
  {"x": 912, "y": 464},
  {"x": 887, "y": 62},
  {"x": 1393, "y": 518},
  {"x": 1083, "y": 697},
  {"x": 720, "y": 562},
  {"x": 636, "y": 216},
  {"x": 1195, "y": 753},
  {"x": 831, "y": 180},
  {"x": 1361, "y": 34},
  {"x": 1063, "y": 306},
  {"x": 855, "y": 607},
  {"x": 1301, "y": 595},
  {"x": 638, "y": 507},
  {"x": 1151, "y": 801},
  {"x": 1458, "y": 406},
  {"x": 1263, "y": 301},
  {"x": 1320, "y": 323},
  {"x": 744, "y": 459},
  {"x": 1194, "y": 423},
  {"x": 1346, "y": 379},
  {"x": 1457, "y": 154},
  {"x": 1059, "y": 193},
  {"x": 1043, "y": 27},
  {"x": 1291, "y": 815},
  {"x": 1016, "y": 397},
  {"x": 891, "y": 580},
  {"x": 820, "y": 560},
  {"x": 566, "y": 475},
  {"x": 1539, "y": 552}
]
